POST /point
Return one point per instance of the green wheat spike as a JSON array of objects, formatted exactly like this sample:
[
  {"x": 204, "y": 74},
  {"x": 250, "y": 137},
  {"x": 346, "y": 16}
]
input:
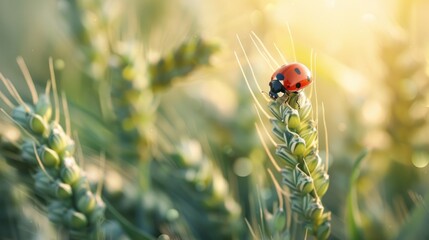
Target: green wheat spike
[
  {"x": 133, "y": 110},
  {"x": 132, "y": 100},
  {"x": 303, "y": 171},
  {"x": 201, "y": 192},
  {"x": 13, "y": 202},
  {"x": 191, "y": 54},
  {"x": 56, "y": 176}
]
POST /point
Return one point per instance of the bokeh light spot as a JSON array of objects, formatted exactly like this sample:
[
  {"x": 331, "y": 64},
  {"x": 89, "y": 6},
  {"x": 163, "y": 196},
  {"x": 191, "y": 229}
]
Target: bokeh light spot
[
  {"x": 377, "y": 139},
  {"x": 243, "y": 167},
  {"x": 420, "y": 160},
  {"x": 373, "y": 112}
]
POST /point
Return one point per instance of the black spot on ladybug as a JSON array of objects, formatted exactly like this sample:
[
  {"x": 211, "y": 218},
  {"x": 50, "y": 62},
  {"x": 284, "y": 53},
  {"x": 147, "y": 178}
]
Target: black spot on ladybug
[
  {"x": 298, "y": 85},
  {"x": 280, "y": 76},
  {"x": 297, "y": 71}
]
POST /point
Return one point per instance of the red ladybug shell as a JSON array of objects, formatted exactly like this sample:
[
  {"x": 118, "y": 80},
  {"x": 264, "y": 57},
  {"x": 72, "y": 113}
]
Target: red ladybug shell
[{"x": 296, "y": 76}]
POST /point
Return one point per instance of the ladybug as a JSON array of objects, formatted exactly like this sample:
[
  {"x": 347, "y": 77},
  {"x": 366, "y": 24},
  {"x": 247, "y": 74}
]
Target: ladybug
[{"x": 295, "y": 77}]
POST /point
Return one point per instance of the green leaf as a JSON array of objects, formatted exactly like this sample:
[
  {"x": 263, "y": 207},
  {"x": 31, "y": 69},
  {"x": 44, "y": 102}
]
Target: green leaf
[{"x": 352, "y": 210}]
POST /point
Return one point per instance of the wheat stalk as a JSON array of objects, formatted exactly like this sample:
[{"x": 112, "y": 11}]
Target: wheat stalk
[
  {"x": 303, "y": 172},
  {"x": 47, "y": 151},
  {"x": 201, "y": 192},
  {"x": 190, "y": 55},
  {"x": 297, "y": 159},
  {"x": 131, "y": 81}
]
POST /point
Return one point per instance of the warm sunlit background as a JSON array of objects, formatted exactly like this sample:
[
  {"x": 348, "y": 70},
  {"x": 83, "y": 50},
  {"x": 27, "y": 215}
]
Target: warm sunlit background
[{"x": 369, "y": 59}]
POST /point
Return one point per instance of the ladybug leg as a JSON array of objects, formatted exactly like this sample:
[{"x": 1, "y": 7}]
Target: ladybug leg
[
  {"x": 287, "y": 98},
  {"x": 297, "y": 103},
  {"x": 273, "y": 95}
]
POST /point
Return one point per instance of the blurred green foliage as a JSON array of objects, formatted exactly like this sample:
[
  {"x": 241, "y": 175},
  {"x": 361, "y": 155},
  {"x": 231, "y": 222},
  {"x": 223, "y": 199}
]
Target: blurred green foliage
[{"x": 182, "y": 155}]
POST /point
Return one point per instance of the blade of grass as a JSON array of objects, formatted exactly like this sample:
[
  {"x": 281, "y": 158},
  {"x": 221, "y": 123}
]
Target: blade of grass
[{"x": 352, "y": 209}]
